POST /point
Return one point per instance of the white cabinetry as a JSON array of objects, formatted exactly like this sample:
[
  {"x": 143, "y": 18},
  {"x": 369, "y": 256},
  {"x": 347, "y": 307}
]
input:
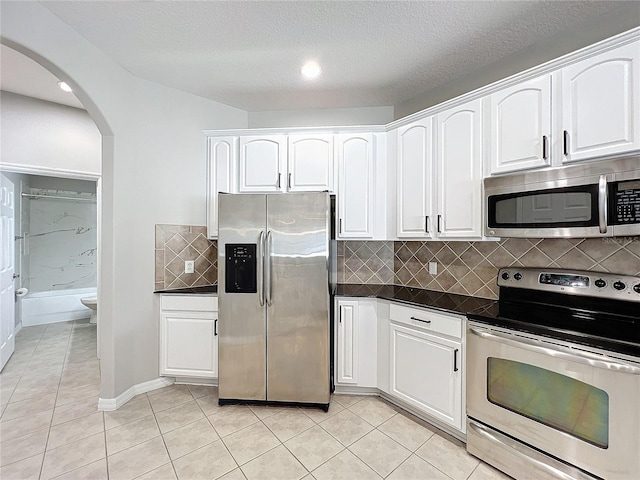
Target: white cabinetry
[
  {"x": 520, "y": 126},
  {"x": 263, "y": 161},
  {"x": 356, "y": 180},
  {"x": 310, "y": 163},
  {"x": 188, "y": 335},
  {"x": 426, "y": 362},
  {"x": 459, "y": 171},
  {"x": 601, "y": 104},
  {"x": 221, "y": 176},
  {"x": 414, "y": 157},
  {"x": 356, "y": 343}
]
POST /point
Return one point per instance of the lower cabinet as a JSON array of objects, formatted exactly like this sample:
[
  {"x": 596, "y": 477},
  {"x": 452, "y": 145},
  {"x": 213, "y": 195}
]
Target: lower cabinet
[{"x": 189, "y": 336}]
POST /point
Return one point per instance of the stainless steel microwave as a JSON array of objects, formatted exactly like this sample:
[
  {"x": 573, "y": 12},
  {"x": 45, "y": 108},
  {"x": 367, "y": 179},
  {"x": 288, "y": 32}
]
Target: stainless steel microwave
[{"x": 595, "y": 199}]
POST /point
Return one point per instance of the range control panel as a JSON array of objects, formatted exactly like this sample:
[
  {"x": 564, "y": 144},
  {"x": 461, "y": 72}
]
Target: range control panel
[{"x": 573, "y": 282}]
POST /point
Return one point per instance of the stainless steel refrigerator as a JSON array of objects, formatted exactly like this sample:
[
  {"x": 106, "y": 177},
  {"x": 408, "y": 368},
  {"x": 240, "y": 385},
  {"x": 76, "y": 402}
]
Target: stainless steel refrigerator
[{"x": 274, "y": 298}]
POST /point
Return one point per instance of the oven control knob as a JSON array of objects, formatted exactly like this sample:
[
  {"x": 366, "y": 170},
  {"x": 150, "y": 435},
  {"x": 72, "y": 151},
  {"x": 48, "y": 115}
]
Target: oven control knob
[
  {"x": 518, "y": 276},
  {"x": 600, "y": 283},
  {"x": 505, "y": 276},
  {"x": 636, "y": 288},
  {"x": 619, "y": 285}
]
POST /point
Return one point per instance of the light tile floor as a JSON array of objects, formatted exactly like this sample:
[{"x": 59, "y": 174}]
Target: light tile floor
[{"x": 50, "y": 428}]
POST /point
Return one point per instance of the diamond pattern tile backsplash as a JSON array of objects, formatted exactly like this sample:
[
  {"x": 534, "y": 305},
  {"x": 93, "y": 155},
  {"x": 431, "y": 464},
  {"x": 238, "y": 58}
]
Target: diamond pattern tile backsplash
[
  {"x": 471, "y": 268},
  {"x": 177, "y": 243}
]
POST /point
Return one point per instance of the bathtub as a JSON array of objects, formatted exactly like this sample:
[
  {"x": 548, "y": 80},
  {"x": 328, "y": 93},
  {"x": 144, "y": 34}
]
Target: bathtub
[{"x": 55, "y": 306}]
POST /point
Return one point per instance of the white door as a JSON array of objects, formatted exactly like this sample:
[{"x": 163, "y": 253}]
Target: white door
[
  {"x": 310, "y": 163},
  {"x": 221, "y": 172},
  {"x": 355, "y": 185},
  {"x": 347, "y": 342},
  {"x": 601, "y": 104},
  {"x": 415, "y": 180},
  {"x": 263, "y": 161},
  {"x": 426, "y": 372},
  {"x": 520, "y": 126},
  {"x": 7, "y": 245},
  {"x": 459, "y": 171}
]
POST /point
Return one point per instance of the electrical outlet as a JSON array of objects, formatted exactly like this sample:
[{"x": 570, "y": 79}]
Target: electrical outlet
[
  {"x": 433, "y": 268},
  {"x": 189, "y": 266}
]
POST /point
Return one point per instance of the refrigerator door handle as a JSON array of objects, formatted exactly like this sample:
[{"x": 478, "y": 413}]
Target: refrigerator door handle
[
  {"x": 260, "y": 263},
  {"x": 267, "y": 276}
]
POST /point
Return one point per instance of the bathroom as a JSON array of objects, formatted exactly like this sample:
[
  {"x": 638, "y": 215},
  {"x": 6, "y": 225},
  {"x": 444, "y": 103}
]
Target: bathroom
[{"x": 55, "y": 249}]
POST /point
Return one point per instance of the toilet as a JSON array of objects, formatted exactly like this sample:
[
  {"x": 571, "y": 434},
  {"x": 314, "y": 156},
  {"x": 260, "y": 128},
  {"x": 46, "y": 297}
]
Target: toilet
[{"x": 92, "y": 303}]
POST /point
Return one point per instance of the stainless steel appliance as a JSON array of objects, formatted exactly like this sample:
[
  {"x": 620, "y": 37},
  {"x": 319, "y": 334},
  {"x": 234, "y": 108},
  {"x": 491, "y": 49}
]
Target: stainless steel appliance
[
  {"x": 596, "y": 199},
  {"x": 274, "y": 298},
  {"x": 553, "y": 376}
]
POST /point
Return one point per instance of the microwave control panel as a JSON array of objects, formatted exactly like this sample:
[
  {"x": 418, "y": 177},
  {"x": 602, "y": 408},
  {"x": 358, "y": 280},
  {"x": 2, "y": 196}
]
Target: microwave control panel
[{"x": 626, "y": 204}]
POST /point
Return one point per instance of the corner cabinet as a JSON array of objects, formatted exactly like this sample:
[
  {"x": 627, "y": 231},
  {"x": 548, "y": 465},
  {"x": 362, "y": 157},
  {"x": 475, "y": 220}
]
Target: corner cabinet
[
  {"x": 356, "y": 180},
  {"x": 189, "y": 336},
  {"x": 601, "y": 104},
  {"x": 459, "y": 172},
  {"x": 426, "y": 360}
]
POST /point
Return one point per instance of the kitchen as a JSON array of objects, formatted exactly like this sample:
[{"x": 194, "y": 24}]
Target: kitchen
[{"x": 133, "y": 348}]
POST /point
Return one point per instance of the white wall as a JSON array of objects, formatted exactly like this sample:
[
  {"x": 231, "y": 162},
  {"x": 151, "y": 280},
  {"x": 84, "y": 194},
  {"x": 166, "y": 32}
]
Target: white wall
[
  {"x": 153, "y": 171},
  {"x": 44, "y": 134},
  {"x": 319, "y": 118}
]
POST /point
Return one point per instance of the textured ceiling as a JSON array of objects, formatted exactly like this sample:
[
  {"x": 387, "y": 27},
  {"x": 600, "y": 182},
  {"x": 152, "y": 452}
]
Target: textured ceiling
[{"x": 373, "y": 53}]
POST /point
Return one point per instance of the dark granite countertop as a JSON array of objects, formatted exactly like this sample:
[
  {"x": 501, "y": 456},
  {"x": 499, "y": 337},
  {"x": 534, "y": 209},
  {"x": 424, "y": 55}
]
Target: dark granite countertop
[
  {"x": 448, "y": 302},
  {"x": 191, "y": 290}
]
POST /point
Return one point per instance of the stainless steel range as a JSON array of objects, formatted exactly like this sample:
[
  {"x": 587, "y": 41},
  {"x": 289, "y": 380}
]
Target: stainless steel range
[{"x": 553, "y": 376}]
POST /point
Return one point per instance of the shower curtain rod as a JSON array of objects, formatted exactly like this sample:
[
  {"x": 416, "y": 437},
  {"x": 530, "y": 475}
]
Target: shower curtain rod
[{"x": 58, "y": 197}]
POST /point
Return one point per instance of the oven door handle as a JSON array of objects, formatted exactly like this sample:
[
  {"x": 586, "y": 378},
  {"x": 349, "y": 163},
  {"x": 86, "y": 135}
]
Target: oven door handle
[
  {"x": 516, "y": 449},
  {"x": 566, "y": 353}
]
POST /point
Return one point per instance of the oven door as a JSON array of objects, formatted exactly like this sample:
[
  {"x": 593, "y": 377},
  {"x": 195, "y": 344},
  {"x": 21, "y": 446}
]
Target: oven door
[{"x": 578, "y": 406}]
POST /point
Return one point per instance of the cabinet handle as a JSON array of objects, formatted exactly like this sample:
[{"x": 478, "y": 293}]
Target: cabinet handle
[
  {"x": 339, "y": 315},
  {"x": 420, "y": 320},
  {"x": 215, "y": 328},
  {"x": 439, "y": 222},
  {"x": 544, "y": 147},
  {"x": 289, "y": 182},
  {"x": 340, "y": 227},
  {"x": 455, "y": 360},
  {"x": 426, "y": 224},
  {"x": 565, "y": 143},
  {"x": 278, "y": 183}
]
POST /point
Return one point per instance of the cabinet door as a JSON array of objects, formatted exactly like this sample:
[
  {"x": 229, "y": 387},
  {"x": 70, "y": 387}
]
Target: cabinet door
[
  {"x": 601, "y": 104},
  {"x": 310, "y": 163},
  {"x": 347, "y": 342},
  {"x": 355, "y": 185},
  {"x": 415, "y": 180},
  {"x": 189, "y": 344},
  {"x": 262, "y": 163},
  {"x": 459, "y": 171},
  {"x": 221, "y": 175},
  {"x": 426, "y": 372},
  {"x": 520, "y": 126}
]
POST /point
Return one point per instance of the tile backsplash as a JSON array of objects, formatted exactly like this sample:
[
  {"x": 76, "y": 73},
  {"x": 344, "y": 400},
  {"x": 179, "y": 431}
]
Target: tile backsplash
[
  {"x": 177, "y": 243},
  {"x": 471, "y": 268}
]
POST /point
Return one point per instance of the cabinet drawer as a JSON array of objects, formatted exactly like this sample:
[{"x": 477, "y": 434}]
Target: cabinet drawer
[
  {"x": 191, "y": 303},
  {"x": 428, "y": 320}
]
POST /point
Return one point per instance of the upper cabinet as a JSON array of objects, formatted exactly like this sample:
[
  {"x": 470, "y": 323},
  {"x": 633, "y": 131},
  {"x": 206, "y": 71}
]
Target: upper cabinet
[
  {"x": 414, "y": 164},
  {"x": 520, "y": 126},
  {"x": 459, "y": 171},
  {"x": 601, "y": 104},
  {"x": 355, "y": 153},
  {"x": 221, "y": 175},
  {"x": 310, "y": 163},
  {"x": 263, "y": 161}
]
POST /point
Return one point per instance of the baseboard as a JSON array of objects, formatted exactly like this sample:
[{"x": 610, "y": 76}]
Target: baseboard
[{"x": 111, "y": 404}]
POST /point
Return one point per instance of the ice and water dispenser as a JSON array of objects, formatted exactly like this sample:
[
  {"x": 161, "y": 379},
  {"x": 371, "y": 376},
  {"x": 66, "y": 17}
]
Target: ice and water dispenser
[{"x": 240, "y": 268}]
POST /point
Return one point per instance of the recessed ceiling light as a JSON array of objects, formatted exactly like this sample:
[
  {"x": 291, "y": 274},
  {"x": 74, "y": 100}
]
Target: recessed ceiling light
[
  {"x": 311, "y": 70},
  {"x": 64, "y": 87}
]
